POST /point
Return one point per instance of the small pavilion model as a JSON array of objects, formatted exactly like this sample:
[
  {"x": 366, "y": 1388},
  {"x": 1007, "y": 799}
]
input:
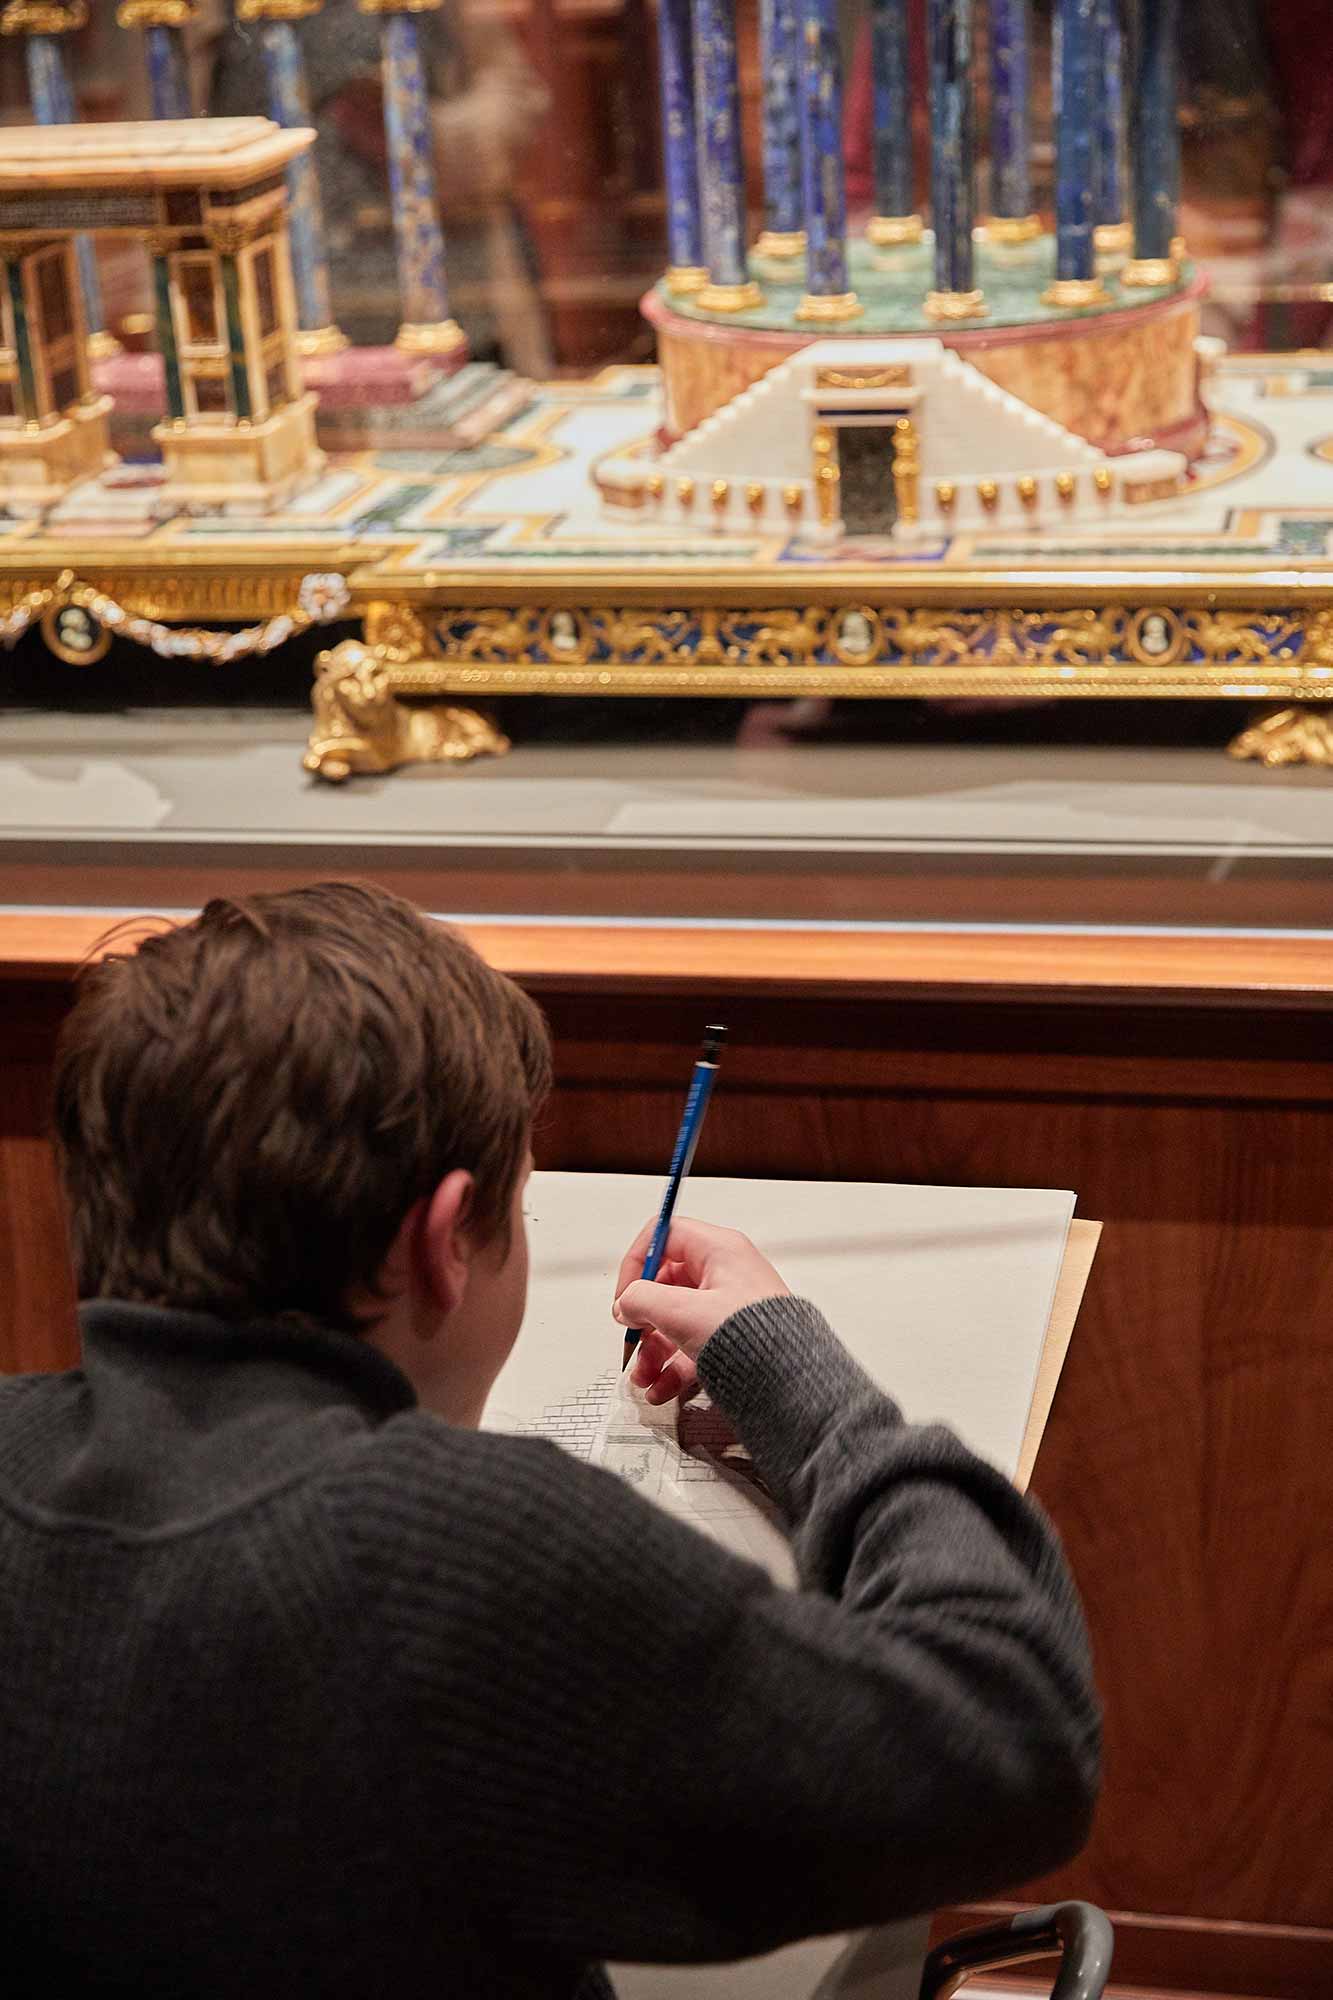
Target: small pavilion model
[{"x": 209, "y": 198}]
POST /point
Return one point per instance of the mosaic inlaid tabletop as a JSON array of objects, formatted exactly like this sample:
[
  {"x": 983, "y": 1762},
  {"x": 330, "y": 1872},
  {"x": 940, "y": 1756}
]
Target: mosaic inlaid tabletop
[{"x": 523, "y": 502}]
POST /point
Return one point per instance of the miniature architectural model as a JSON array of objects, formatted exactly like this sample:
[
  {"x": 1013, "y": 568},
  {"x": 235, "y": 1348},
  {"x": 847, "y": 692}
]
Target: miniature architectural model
[
  {"x": 209, "y": 197},
  {"x": 857, "y": 437},
  {"x": 1061, "y": 378},
  {"x": 53, "y": 429}
]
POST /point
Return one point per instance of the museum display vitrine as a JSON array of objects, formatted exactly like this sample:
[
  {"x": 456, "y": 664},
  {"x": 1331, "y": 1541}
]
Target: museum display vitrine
[{"x": 940, "y": 407}]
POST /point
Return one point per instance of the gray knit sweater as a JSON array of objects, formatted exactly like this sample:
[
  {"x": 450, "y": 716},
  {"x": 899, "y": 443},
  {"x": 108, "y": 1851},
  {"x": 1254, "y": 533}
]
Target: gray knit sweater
[{"x": 304, "y": 1692}]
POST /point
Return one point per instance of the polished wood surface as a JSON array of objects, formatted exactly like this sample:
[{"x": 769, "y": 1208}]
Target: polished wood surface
[
  {"x": 1184, "y": 1087},
  {"x": 664, "y": 957}
]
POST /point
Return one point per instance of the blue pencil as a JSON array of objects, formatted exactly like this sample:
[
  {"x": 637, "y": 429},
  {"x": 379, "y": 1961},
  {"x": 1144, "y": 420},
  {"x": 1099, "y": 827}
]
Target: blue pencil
[{"x": 691, "y": 1124}]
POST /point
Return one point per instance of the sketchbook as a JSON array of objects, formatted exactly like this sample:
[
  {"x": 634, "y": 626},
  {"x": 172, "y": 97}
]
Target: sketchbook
[{"x": 959, "y": 1302}]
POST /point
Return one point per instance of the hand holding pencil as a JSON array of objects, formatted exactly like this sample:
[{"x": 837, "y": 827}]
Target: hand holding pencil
[
  {"x": 702, "y": 1078},
  {"x": 706, "y": 1275}
]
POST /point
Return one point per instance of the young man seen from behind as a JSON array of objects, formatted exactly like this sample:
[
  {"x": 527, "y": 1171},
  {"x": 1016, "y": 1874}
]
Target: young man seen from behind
[{"x": 305, "y": 1679}]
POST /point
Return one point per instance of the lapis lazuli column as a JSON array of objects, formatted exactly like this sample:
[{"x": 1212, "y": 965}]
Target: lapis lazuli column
[
  {"x": 779, "y": 66},
  {"x": 952, "y": 165},
  {"x": 827, "y": 293},
  {"x": 1111, "y": 233},
  {"x": 717, "y": 97},
  {"x": 895, "y": 219},
  {"x": 168, "y": 74},
  {"x": 53, "y": 104},
  {"x": 1011, "y": 218},
  {"x": 427, "y": 327},
  {"x": 1075, "y": 75},
  {"x": 1154, "y": 146},
  {"x": 686, "y": 271},
  {"x": 164, "y": 23},
  {"x": 289, "y": 105}
]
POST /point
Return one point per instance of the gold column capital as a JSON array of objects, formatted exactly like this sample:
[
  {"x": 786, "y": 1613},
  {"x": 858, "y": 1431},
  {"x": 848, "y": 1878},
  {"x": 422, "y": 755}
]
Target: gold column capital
[
  {"x": 228, "y": 235},
  {"x": 277, "y": 10},
  {"x": 155, "y": 13},
  {"x": 43, "y": 17}
]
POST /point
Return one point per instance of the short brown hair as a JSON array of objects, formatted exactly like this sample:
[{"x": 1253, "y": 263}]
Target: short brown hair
[{"x": 247, "y": 1106}]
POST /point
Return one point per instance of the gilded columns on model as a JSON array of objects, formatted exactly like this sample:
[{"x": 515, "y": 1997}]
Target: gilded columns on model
[
  {"x": 721, "y": 172},
  {"x": 1075, "y": 76},
  {"x": 427, "y": 325},
  {"x": 680, "y": 155},
  {"x": 289, "y": 105},
  {"x": 896, "y": 220},
  {"x": 949, "y": 31},
  {"x": 43, "y": 23},
  {"x": 828, "y": 296},
  {"x": 164, "y": 23},
  {"x": 1154, "y": 146}
]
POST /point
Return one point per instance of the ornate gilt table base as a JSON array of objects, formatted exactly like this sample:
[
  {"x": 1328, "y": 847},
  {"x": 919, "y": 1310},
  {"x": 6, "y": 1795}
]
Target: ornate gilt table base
[
  {"x": 488, "y": 573},
  {"x": 394, "y": 699}
]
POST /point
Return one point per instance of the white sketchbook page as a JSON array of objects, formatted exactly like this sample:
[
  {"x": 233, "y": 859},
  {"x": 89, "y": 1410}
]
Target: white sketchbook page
[{"x": 943, "y": 1295}]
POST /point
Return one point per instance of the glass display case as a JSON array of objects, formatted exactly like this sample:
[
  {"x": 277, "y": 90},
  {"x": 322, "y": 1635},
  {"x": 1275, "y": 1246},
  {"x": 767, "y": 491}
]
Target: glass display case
[{"x": 783, "y": 459}]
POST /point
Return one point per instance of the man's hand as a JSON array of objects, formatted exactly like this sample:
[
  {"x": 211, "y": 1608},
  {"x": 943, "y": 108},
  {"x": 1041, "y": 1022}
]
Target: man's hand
[{"x": 706, "y": 1275}]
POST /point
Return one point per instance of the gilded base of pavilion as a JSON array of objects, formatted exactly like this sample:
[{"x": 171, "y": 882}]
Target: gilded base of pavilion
[
  {"x": 39, "y": 463},
  {"x": 229, "y": 467}
]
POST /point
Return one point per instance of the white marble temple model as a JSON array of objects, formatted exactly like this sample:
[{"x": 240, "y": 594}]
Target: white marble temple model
[{"x": 896, "y": 438}]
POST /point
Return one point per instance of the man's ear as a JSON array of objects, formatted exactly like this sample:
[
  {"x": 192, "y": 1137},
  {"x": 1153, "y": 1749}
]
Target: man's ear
[{"x": 441, "y": 1249}]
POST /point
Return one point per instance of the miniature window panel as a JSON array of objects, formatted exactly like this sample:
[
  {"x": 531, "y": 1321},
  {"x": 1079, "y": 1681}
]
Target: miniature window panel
[
  {"x": 54, "y": 314},
  {"x": 200, "y": 336}
]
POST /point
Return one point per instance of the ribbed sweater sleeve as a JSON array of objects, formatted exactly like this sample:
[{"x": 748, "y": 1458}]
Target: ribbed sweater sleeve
[{"x": 661, "y": 1755}]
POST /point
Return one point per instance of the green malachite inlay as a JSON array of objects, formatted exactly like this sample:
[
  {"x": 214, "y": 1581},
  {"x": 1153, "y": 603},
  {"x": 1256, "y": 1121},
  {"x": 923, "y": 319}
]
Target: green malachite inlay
[
  {"x": 892, "y": 287},
  {"x": 240, "y": 376},
  {"x": 22, "y": 344},
  {"x": 166, "y": 338}
]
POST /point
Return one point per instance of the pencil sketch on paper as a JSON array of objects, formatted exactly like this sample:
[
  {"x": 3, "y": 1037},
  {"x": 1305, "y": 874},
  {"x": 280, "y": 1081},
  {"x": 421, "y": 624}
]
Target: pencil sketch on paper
[{"x": 685, "y": 1458}]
